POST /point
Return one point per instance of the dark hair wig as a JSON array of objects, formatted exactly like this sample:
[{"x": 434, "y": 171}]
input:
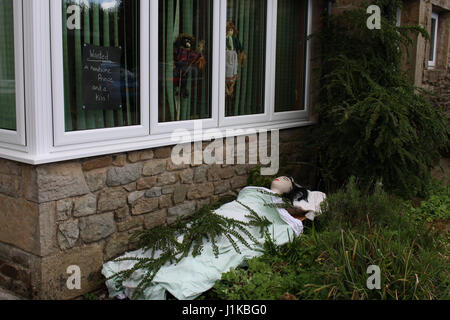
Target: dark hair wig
[{"x": 297, "y": 193}]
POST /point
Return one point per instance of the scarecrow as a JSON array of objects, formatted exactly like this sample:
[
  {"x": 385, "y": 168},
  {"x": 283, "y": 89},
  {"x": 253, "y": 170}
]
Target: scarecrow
[
  {"x": 235, "y": 57},
  {"x": 188, "y": 61}
]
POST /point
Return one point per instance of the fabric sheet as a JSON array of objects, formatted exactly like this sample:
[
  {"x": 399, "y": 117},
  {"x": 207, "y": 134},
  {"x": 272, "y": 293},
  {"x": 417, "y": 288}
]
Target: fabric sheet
[{"x": 194, "y": 275}]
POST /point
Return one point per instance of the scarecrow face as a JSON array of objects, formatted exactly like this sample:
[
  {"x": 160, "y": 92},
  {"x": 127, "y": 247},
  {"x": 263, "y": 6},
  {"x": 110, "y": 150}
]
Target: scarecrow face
[
  {"x": 282, "y": 184},
  {"x": 186, "y": 43}
]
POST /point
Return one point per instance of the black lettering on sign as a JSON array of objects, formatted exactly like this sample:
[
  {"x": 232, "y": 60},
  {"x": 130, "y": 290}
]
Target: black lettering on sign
[{"x": 101, "y": 77}]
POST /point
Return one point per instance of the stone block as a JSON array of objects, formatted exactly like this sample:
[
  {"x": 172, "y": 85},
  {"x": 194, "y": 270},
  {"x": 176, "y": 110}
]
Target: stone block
[
  {"x": 120, "y": 176},
  {"x": 68, "y": 234},
  {"x": 173, "y": 167},
  {"x": 163, "y": 153},
  {"x": 97, "y": 227},
  {"x": 47, "y": 228},
  {"x": 200, "y": 174},
  {"x": 20, "y": 223},
  {"x": 238, "y": 182},
  {"x": 137, "y": 156},
  {"x": 97, "y": 163},
  {"x": 167, "y": 178},
  {"x": 85, "y": 206},
  {"x": 64, "y": 209},
  {"x": 146, "y": 183},
  {"x": 165, "y": 201},
  {"x": 116, "y": 245},
  {"x": 10, "y": 185},
  {"x": 187, "y": 176},
  {"x": 54, "y": 276},
  {"x": 122, "y": 213},
  {"x": 183, "y": 210},
  {"x": 112, "y": 199},
  {"x": 134, "y": 196},
  {"x": 200, "y": 191},
  {"x": 144, "y": 205},
  {"x": 96, "y": 179},
  {"x": 155, "y": 219},
  {"x": 154, "y": 192},
  {"x": 154, "y": 167},
  {"x": 120, "y": 160},
  {"x": 221, "y": 187},
  {"x": 179, "y": 194},
  {"x": 130, "y": 223},
  {"x": 59, "y": 181}
]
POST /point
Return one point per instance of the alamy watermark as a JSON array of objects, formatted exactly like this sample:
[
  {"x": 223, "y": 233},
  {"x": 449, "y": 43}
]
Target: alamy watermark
[
  {"x": 374, "y": 21},
  {"x": 235, "y": 150},
  {"x": 374, "y": 280},
  {"x": 74, "y": 280}
]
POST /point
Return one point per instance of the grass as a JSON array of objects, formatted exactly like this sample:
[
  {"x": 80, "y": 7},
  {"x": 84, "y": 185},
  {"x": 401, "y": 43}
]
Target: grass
[{"x": 356, "y": 230}]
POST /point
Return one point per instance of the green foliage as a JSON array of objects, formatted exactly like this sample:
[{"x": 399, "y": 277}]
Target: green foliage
[
  {"x": 374, "y": 124},
  {"x": 255, "y": 178},
  {"x": 204, "y": 225},
  {"x": 261, "y": 281},
  {"x": 436, "y": 207},
  {"x": 90, "y": 296},
  {"x": 330, "y": 260}
]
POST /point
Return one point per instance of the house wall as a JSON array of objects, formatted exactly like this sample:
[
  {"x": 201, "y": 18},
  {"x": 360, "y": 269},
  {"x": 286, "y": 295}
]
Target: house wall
[{"x": 83, "y": 212}]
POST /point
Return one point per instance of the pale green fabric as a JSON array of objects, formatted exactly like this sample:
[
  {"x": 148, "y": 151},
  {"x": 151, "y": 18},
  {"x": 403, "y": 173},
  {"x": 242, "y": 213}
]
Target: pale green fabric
[{"x": 192, "y": 276}]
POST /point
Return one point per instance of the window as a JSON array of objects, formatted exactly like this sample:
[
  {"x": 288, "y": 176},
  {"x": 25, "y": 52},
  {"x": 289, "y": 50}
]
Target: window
[
  {"x": 291, "y": 55},
  {"x": 11, "y": 73},
  {"x": 133, "y": 71},
  {"x": 245, "y": 57},
  {"x": 433, "y": 40},
  {"x": 185, "y": 60},
  {"x": 100, "y": 52},
  {"x": 101, "y": 64}
]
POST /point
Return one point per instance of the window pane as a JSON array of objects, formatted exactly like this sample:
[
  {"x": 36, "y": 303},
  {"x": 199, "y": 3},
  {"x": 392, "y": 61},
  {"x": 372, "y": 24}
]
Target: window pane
[
  {"x": 291, "y": 54},
  {"x": 7, "y": 76},
  {"x": 245, "y": 57},
  {"x": 185, "y": 59},
  {"x": 432, "y": 38},
  {"x": 101, "y": 63}
]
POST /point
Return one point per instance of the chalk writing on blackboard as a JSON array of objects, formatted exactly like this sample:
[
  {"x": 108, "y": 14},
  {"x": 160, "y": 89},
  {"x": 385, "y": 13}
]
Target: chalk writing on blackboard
[{"x": 101, "y": 77}]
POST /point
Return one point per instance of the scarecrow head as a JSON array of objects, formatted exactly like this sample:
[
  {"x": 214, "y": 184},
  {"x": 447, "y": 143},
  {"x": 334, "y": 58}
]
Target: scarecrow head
[
  {"x": 231, "y": 29},
  {"x": 185, "y": 41}
]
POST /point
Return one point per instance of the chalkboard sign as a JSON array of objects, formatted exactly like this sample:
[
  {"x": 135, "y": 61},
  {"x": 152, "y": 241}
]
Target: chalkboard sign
[{"x": 101, "y": 77}]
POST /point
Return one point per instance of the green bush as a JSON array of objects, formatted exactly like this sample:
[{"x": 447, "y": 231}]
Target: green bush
[
  {"x": 330, "y": 260},
  {"x": 374, "y": 124},
  {"x": 436, "y": 207},
  {"x": 255, "y": 179}
]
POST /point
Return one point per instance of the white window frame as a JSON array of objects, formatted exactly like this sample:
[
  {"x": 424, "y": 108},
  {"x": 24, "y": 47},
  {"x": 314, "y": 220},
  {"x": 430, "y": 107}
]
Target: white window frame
[
  {"x": 42, "y": 86},
  {"x": 167, "y": 127},
  {"x": 63, "y": 138},
  {"x": 251, "y": 118},
  {"x": 432, "y": 63},
  {"x": 17, "y": 137},
  {"x": 297, "y": 114}
]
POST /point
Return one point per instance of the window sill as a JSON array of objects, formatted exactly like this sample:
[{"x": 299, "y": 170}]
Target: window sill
[{"x": 57, "y": 154}]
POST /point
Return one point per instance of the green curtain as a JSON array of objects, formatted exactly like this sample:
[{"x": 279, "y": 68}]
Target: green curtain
[
  {"x": 290, "y": 62},
  {"x": 7, "y": 67},
  {"x": 249, "y": 17},
  {"x": 102, "y": 26},
  {"x": 192, "y": 17}
]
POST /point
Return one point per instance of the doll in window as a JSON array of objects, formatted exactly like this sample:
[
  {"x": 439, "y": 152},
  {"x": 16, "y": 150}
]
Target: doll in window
[
  {"x": 188, "y": 61},
  {"x": 235, "y": 56}
]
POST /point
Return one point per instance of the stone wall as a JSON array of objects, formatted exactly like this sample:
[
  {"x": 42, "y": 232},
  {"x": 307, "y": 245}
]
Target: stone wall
[{"x": 82, "y": 212}]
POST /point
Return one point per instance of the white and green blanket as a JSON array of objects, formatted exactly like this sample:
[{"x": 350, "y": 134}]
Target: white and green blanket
[{"x": 192, "y": 276}]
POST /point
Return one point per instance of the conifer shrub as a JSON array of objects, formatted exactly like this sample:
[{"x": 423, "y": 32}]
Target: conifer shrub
[{"x": 374, "y": 124}]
